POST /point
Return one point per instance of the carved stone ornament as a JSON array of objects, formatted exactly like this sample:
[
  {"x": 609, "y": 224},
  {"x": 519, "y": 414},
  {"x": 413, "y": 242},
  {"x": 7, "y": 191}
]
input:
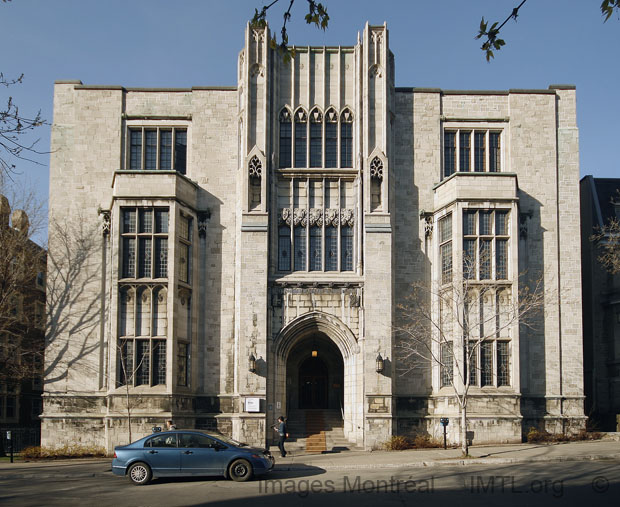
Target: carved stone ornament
[
  {"x": 376, "y": 169},
  {"x": 316, "y": 217},
  {"x": 428, "y": 226},
  {"x": 301, "y": 116},
  {"x": 523, "y": 226},
  {"x": 203, "y": 218},
  {"x": 184, "y": 295},
  {"x": 299, "y": 217},
  {"x": 106, "y": 225},
  {"x": 332, "y": 217},
  {"x": 331, "y": 116},
  {"x": 285, "y": 116},
  {"x": 347, "y": 217},
  {"x": 255, "y": 168},
  {"x": 346, "y": 116},
  {"x": 376, "y": 71},
  {"x": 316, "y": 116},
  {"x": 354, "y": 300},
  {"x": 258, "y": 35},
  {"x": 285, "y": 216},
  {"x": 377, "y": 37},
  {"x": 257, "y": 70}
]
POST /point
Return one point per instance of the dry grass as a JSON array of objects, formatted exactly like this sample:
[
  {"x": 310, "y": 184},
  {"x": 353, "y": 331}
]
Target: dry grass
[
  {"x": 401, "y": 443},
  {"x": 535, "y": 436},
  {"x": 64, "y": 452}
]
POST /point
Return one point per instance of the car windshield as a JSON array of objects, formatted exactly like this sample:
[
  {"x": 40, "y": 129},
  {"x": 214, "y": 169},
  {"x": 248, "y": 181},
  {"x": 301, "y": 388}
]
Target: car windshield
[{"x": 229, "y": 441}]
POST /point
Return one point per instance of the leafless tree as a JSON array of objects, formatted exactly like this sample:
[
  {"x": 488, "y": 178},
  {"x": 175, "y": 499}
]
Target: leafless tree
[
  {"x": 128, "y": 378},
  {"x": 608, "y": 240},
  {"x": 449, "y": 325},
  {"x": 22, "y": 296}
]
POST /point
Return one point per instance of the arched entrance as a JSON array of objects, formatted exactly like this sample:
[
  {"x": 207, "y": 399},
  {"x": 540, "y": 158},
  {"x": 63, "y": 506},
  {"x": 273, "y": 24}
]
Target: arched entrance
[
  {"x": 312, "y": 384},
  {"x": 315, "y": 374},
  {"x": 317, "y": 365}
]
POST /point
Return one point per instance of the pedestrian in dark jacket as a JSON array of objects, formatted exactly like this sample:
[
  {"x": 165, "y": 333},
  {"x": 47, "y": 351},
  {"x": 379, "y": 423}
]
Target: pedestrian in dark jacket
[{"x": 283, "y": 435}]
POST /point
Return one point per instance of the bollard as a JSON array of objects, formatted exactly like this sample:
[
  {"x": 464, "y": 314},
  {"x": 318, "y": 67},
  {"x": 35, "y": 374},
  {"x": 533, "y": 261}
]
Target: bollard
[
  {"x": 444, "y": 422},
  {"x": 8, "y": 437}
]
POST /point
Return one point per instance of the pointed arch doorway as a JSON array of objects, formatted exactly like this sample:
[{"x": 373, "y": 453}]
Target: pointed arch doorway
[{"x": 336, "y": 346}]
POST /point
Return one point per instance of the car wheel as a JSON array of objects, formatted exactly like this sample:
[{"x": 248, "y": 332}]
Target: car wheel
[
  {"x": 139, "y": 473},
  {"x": 240, "y": 470}
]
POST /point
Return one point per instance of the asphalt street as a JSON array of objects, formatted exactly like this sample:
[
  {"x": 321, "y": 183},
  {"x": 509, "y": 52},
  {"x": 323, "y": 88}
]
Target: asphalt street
[{"x": 563, "y": 483}]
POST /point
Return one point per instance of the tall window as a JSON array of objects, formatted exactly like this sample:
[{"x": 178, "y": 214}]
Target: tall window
[
  {"x": 185, "y": 248},
  {"x": 485, "y": 244},
  {"x": 346, "y": 139},
  {"x": 142, "y": 335},
  {"x": 300, "y": 248},
  {"x": 331, "y": 249},
  {"x": 466, "y": 150},
  {"x": 447, "y": 364},
  {"x": 480, "y": 151},
  {"x": 445, "y": 248},
  {"x": 490, "y": 364},
  {"x": 449, "y": 153},
  {"x": 144, "y": 242},
  {"x": 316, "y": 249},
  {"x": 331, "y": 139},
  {"x": 328, "y": 139},
  {"x": 284, "y": 248},
  {"x": 286, "y": 132},
  {"x": 157, "y": 148},
  {"x": 316, "y": 139},
  {"x": 301, "y": 137}
]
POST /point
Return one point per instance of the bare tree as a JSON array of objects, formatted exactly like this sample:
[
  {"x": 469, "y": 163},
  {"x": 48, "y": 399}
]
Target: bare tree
[
  {"x": 22, "y": 296},
  {"x": 608, "y": 239},
  {"x": 128, "y": 371},
  {"x": 453, "y": 326}
]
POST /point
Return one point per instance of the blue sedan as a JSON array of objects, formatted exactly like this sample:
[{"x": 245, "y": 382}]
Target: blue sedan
[{"x": 189, "y": 452}]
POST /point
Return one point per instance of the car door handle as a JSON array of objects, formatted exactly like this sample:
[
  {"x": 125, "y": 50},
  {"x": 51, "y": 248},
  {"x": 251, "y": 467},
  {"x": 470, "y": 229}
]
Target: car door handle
[
  {"x": 188, "y": 452},
  {"x": 152, "y": 452}
]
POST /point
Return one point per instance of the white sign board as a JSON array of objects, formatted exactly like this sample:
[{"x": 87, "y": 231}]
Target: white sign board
[{"x": 252, "y": 404}]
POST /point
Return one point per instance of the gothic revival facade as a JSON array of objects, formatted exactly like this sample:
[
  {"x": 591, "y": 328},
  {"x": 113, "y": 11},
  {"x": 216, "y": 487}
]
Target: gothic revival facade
[{"x": 256, "y": 243}]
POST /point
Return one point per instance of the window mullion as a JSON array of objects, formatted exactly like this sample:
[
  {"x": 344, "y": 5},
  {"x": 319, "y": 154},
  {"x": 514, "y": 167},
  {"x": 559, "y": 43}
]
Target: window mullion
[{"x": 487, "y": 151}]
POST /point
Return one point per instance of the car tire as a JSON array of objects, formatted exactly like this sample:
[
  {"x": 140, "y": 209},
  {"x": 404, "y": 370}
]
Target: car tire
[
  {"x": 240, "y": 470},
  {"x": 139, "y": 473}
]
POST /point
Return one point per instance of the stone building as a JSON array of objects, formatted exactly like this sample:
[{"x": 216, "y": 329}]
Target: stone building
[
  {"x": 256, "y": 242},
  {"x": 600, "y": 203},
  {"x": 22, "y": 328}
]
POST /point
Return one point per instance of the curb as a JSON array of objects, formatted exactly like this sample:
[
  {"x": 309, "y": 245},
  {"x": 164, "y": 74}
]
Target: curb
[
  {"x": 455, "y": 462},
  {"x": 303, "y": 467}
]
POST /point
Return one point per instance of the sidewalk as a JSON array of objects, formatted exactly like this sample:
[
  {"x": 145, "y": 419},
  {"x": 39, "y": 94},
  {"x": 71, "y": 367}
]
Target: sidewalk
[
  {"x": 480, "y": 455},
  {"x": 358, "y": 460}
]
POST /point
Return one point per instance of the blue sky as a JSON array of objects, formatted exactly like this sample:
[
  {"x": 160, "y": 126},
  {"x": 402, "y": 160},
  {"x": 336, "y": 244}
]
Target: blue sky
[{"x": 195, "y": 43}]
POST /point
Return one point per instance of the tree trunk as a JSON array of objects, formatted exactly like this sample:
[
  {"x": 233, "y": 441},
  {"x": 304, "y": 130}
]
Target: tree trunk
[
  {"x": 464, "y": 445},
  {"x": 128, "y": 413}
]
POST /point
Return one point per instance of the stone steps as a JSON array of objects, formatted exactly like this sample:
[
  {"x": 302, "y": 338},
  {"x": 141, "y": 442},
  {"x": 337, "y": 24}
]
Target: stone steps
[{"x": 316, "y": 431}]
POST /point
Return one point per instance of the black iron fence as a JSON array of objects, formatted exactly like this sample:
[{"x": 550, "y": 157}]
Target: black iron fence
[{"x": 20, "y": 438}]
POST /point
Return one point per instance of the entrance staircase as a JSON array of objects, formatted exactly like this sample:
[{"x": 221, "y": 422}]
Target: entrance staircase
[{"x": 315, "y": 431}]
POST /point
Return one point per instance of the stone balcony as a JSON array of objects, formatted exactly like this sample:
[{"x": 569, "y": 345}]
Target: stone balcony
[
  {"x": 154, "y": 185},
  {"x": 476, "y": 186}
]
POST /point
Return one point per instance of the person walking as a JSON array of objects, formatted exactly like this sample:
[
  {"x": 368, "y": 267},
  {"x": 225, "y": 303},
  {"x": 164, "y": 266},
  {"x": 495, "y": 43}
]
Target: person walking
[
  {"x": 283, "y": 435},
  {"x": 170, "y": 426}
]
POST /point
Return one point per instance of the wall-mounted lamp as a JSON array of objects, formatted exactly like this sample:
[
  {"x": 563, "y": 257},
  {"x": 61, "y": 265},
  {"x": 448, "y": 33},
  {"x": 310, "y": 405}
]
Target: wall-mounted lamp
[
  {"x": 315, "y": 353},
  {"x": 252, "y": 363},
  {"x": 379, "y": 363}
]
